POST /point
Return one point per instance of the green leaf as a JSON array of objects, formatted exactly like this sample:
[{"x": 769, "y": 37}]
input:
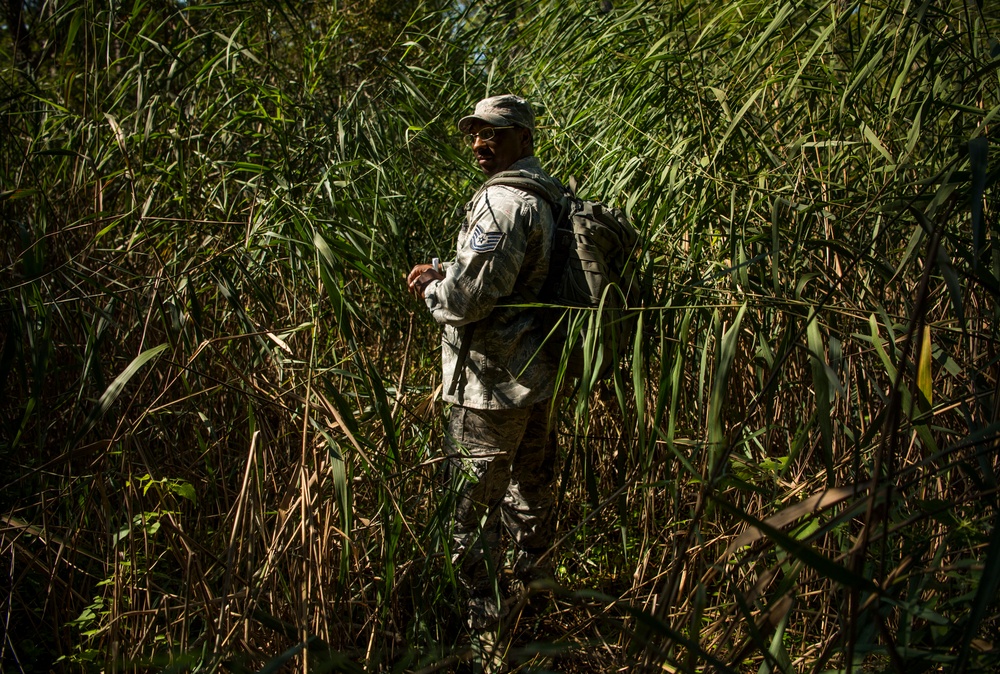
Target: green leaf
[
  {"x": 822, "y": 389},
  {"x": 184, "y": 490},
  {"x": 978, "y": 158},
  {"x": 720, "y": 383},
  {"x": 801, "y": 551},
  {"x": 877, "y": 144},
  {"x": 924, "y": 374},
  {"x": 110, "y": 395}
]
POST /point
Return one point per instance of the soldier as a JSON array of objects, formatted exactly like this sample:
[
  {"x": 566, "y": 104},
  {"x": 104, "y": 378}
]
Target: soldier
[{"x": 498, "y": 380}]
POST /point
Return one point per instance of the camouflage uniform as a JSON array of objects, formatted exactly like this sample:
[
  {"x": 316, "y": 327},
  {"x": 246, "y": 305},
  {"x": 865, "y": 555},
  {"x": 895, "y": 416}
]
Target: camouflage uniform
[
  {"x": 503, "y": 250},
  {"x": 502, "y": 466},
  {"x": 502, "y": 450}
]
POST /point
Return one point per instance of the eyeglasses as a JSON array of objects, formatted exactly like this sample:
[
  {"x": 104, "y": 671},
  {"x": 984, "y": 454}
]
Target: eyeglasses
[{"x": 485, "y": 134}]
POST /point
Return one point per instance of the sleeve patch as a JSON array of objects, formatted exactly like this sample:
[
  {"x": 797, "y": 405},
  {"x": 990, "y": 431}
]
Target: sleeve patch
[{"x": 484, "y": 242}]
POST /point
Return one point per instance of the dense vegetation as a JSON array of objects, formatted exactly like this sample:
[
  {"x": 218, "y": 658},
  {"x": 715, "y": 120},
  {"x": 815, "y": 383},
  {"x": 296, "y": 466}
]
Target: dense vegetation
[{"x": 218, "y": 422}]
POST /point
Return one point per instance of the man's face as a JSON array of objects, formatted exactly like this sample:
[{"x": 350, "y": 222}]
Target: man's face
[{"x": 500, "y": 151}]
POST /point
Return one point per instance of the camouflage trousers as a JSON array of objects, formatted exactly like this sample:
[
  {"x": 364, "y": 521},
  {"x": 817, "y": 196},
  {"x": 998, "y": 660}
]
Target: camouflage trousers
[{"x": 502, "y": 468}]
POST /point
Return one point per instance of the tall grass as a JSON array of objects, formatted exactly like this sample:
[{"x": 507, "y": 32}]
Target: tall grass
[{"x": 220, "y": 436}]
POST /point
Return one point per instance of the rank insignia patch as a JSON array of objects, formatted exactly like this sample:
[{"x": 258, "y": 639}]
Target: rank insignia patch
[{"x": 485, "y": 242}]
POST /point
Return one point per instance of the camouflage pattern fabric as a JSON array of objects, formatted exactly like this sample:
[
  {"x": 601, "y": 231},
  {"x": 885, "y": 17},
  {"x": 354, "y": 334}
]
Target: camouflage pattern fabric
[
  {"x": 503, "y": 248},
  {"x": 502, "y": 467}
]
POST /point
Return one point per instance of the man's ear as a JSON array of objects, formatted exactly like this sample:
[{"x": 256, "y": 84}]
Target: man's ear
[{"x": 526, "y": 140}]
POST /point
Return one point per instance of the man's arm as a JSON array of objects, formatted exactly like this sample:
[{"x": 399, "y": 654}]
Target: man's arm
[{"x": 488, "y": 260}]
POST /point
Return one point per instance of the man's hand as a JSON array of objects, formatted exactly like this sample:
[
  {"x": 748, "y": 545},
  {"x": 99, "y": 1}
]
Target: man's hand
[{"x": 419, "y": 277}]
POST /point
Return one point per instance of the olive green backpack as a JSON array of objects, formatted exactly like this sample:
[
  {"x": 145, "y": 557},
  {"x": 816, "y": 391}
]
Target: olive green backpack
[{"x": 592, "y": 282}]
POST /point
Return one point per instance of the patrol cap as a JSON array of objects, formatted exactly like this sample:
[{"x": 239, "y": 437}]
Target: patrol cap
[{"x": 504, "y": 110}]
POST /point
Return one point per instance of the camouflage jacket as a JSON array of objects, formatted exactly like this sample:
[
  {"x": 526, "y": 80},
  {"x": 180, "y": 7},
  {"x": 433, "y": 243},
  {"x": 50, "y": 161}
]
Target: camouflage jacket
[{"x": 503, "y": 249}]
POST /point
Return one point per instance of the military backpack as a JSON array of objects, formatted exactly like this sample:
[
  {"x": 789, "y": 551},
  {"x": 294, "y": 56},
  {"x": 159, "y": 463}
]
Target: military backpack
[{"x": 592, "y": 280}]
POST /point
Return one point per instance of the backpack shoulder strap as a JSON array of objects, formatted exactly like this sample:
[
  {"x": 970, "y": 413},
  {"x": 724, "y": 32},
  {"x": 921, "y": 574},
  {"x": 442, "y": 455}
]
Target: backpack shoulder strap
[
  {"x": 463, "y": 355},
  {"x": 552, "y": 193}
]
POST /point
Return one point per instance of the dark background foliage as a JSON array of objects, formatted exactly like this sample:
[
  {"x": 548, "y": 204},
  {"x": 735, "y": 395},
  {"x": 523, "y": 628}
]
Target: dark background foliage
[{"x": 218, "y": 427}]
